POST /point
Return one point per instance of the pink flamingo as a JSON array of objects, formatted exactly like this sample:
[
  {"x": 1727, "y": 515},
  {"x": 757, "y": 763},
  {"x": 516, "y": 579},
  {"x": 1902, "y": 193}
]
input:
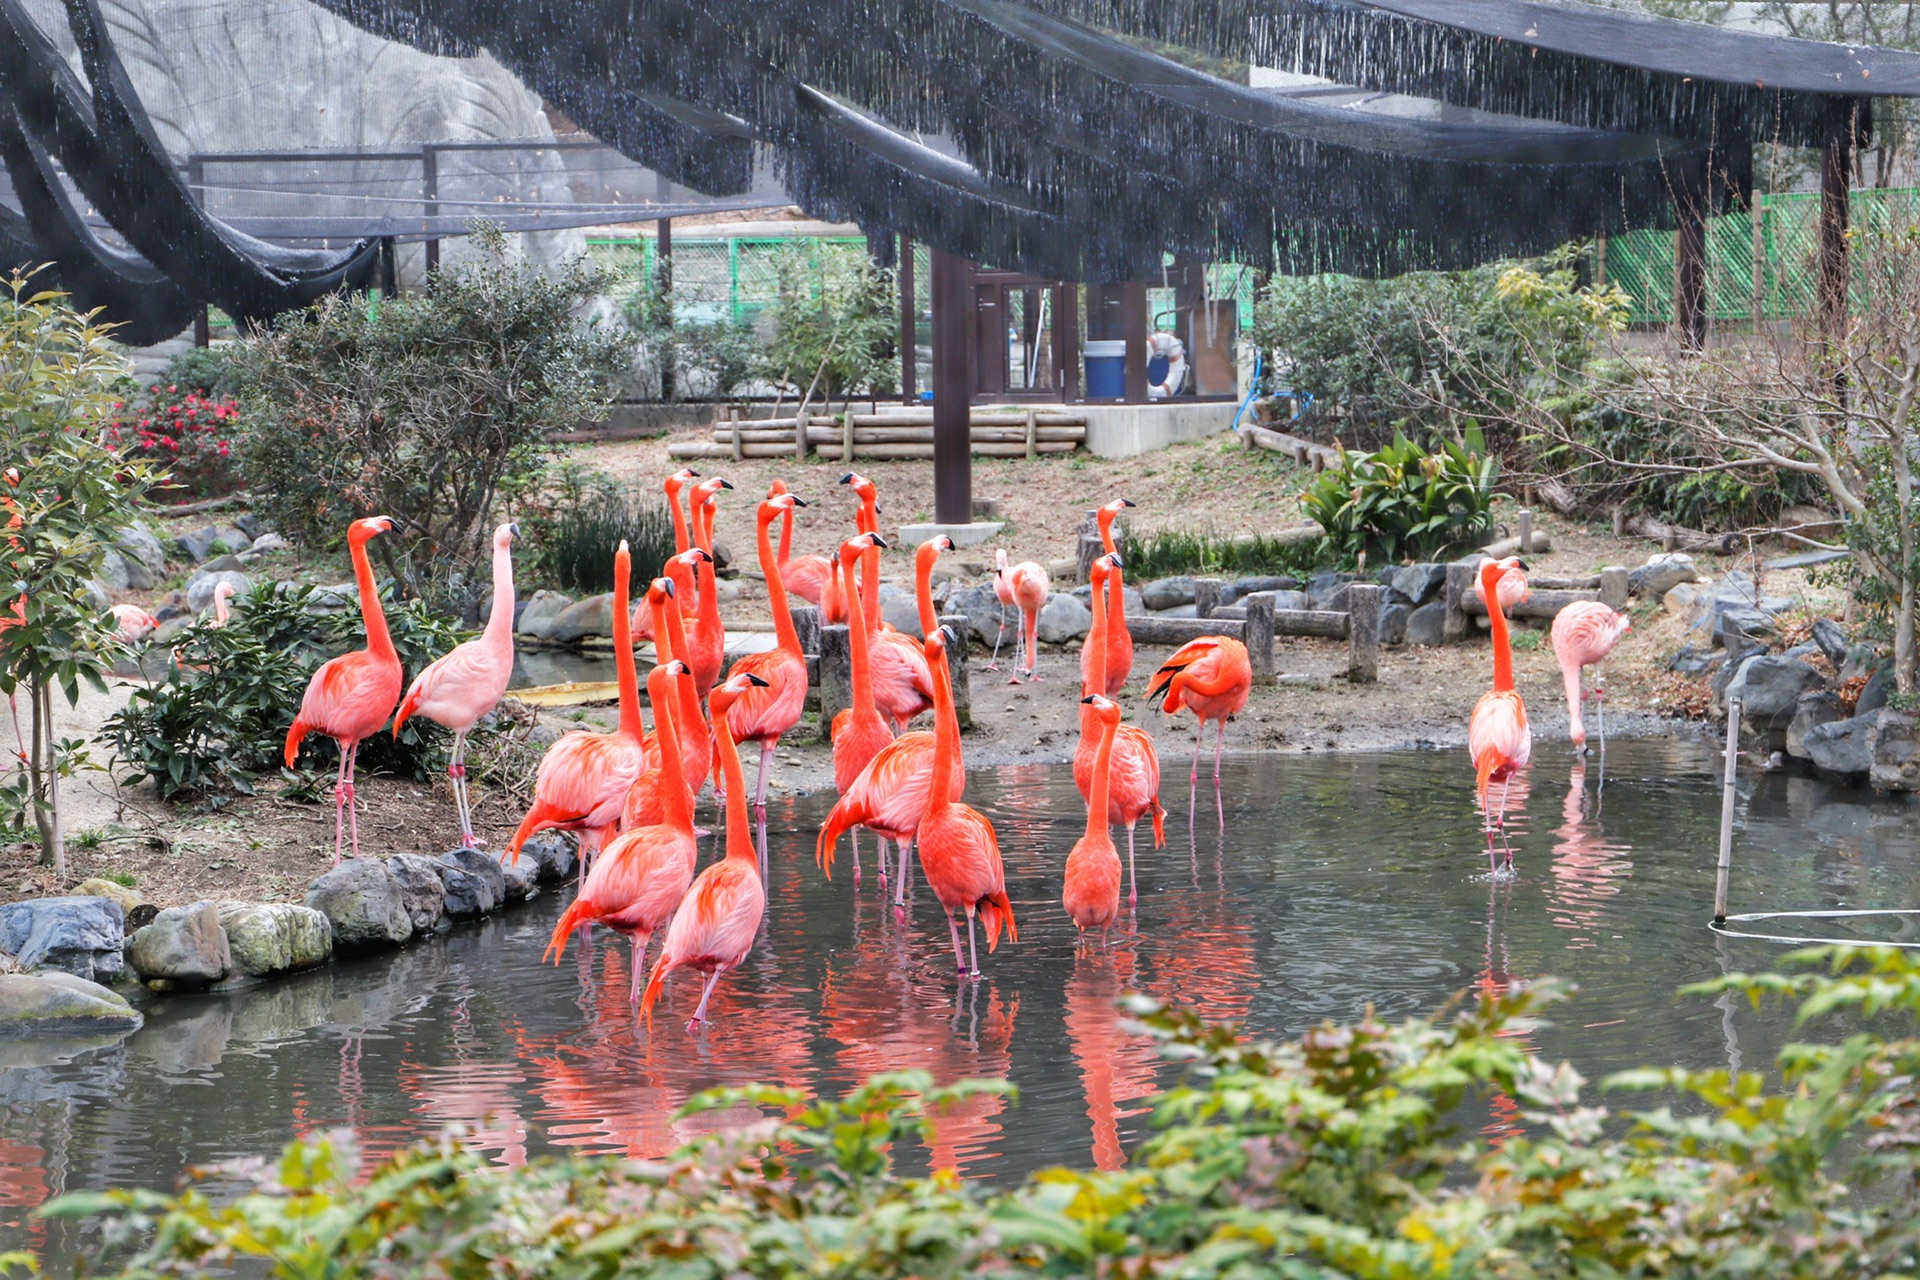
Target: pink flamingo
[
  {"x": 466, "y": 684},
  {"x": 350, "y": 697},
  {"x": 805, "y": 576},
  {"x": 646, "y": 802},
  {"x": 1091, "y": 891},
  {"x": 707, "y": 642},
  {"x": 639, "y": 878},
  {"x": 132, "y": 624},
  {"x": 1003, "y": 592},
  {"x": 1028, "y": 583},
  {"x": 692, "y": 720},
  {"x": 1211, "y": 677},
  {"x": 765, "y": 711},
  {"x": 583, "y": 780},
  {"x": 1584, "y": 633},
  {"x": 222, "y": 593},
  {"x": 641, "y": 622},
  {"x": 1498, "y": 738},
  {"x": 1133, "y": 776},
  {"x": 859, "y": 732},
  {"x": 714, "y": 928},
  {"x": 1119, "y": 639}
]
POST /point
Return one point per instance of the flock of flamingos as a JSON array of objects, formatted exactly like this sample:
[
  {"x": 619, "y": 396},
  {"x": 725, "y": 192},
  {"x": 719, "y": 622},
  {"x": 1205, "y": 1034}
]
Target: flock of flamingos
[{"x": 631, "y": 794}]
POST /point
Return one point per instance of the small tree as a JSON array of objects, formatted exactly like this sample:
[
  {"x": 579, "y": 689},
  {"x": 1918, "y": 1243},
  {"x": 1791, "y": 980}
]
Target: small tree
[
  {"x": 834, "y": 317},
  {"x": 66, "y": 495},
  {"x": 421, "y": 408}
]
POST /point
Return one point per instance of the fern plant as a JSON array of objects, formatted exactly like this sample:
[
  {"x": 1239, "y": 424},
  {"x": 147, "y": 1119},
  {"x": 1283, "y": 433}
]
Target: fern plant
[{"x": 1405, "y": 502}]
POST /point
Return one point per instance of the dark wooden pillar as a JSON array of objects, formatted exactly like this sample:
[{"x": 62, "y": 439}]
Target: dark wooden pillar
[
  {"x": 952, "y": 388},
  {"x": 909, "y": 326},
  {"x": 1690, "y": 272},
  {"x": 1066, "y": 338},
  {"x": 1133, "y": 327},
  {"x": 429, "y": 199},
  {"x": 1836, "y": 182},
  {"x": 663, "y": 285}
]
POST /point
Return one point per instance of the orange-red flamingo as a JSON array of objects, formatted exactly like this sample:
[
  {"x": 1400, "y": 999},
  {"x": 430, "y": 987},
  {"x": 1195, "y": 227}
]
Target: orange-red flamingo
[
  {"x": 714, "y": 928},
  {"x": 707, "y": 643},
  {"x": 132, "y": 624},
  {"x": 1211, "y": 677},
  {"x": 902, "y": 688},
  {"x": 1119, "y": 639},
  {"x": 642, "y": 622},
  {"x": 1028, "y": 584},
  {"x": 1584, "y": 633},
  {"x": 350, "y": 697},
  {"x": 765, "y": 711},
  {"x": 859, "y": 732},
  {"x": 925, "y": 557},
  {"x": 695, "y": 757},
  {"x": 1498, "y": 738},
  {"x": 958, "y": 851},
  {"x": 458, "y": 689},
  {"x": 805, "y": 576},
  {"x": 640, "y": 877},
  {"x": 1133, "y": 777},
  {"x": 646, "y": 803},
  {"x": 583, "y": 780},
  {"x": 1091, "y": 892}
]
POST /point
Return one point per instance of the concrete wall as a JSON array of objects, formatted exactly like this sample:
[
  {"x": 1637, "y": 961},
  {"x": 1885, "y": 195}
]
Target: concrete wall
[{"x": 1125, "y": 430}]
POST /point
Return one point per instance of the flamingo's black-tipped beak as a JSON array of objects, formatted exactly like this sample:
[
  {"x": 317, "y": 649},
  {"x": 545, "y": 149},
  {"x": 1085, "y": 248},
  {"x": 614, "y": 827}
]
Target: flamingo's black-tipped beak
[
  {"x": 756, "y": 681},
  {"x": 1127, "y": 502},
  {"x": 513, "y": 531},
  {"x": 845, "y": 479},
  {"x": 798, "y": 502},
  {"x": 1088, "y": 699},
  {"x": 666, "y": 585},
  {"x": 878, "y": 541}
]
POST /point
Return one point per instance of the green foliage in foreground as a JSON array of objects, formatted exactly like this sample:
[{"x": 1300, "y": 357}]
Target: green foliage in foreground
[{"x": 1350, "y": 1152}]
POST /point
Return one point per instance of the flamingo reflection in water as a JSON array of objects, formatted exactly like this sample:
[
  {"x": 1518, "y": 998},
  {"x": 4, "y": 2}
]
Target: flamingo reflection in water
[
  {"x": 1116, "y": 1066},
  {"x": 1495, "y": 980},
  {"x": 1586, "y": 869}
]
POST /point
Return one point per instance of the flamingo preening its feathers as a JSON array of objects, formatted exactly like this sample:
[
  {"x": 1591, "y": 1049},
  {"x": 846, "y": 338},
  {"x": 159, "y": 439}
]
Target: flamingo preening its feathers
[{"x": 1584, "y": 633}]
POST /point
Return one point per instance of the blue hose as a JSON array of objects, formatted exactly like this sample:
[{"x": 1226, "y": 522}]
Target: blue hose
[{"x": 1259, "y": 360}]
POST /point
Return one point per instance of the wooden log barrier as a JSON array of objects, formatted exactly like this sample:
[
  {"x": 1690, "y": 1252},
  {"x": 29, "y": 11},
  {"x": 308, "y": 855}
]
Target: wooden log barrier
[
  {"x": 1363, "y": 632},
  {"x": 1545, "y": 603}
]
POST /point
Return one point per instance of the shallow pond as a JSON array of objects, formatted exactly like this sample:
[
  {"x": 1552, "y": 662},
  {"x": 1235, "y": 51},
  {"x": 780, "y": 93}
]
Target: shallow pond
[{"x": 1334, "y": 881}]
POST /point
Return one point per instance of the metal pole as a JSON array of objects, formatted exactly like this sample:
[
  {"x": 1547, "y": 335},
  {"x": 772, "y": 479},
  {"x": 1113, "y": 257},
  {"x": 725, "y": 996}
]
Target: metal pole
[
  {"x": 1526, "y": 531},
  {"x": 663, "y": 285},
  {"x": 429, "y": 191},
  {"x": 1727, "y": 797},
  {"x": 952, "y": 388},
  {"x": 909, "y": 326}
]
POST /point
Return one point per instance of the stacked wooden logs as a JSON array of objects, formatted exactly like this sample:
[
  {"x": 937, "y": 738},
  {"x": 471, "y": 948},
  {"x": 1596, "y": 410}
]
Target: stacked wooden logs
[{"x": 895, "y": 433}]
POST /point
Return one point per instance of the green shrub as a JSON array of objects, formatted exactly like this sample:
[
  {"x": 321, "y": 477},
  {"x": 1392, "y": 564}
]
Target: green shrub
[
  {"x": 1167, "y": 552},
  {"x": 710, "y": 359},
  {"x": 574, "y": 519},
  {"x": 1353, "y": 1151},
  {"x": 1404, "y": 502},
  {"x": 220, "y": 717},
  {"x": 835, "y": 316}
]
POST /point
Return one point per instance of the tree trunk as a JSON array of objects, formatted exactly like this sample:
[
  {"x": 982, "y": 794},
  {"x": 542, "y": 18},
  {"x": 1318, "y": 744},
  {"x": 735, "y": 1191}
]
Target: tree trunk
[
  {"x": 1903, "y": 663},
  {"x": 40, "y": 793},
  {"x": 50, "y": 823}
]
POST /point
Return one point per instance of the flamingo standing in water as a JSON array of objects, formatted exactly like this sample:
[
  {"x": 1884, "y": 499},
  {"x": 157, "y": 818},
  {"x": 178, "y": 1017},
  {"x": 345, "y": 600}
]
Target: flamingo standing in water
[
  {"x": 714, "y": 928},
  {"x": 1028, "y": 584},
  {"x": 646, "y": 803},
  {"x": 707, "y": 645},
  {"x": 583, "y": 780},
  {"x": 1498, "y": 738},
  {"x": 695, "y": 757},
  {"x": 902, "y": 687},
  {"x": 1119, "y": 646},
  {"x": 467, "y": 683},
  {"x": 351, "y": 696},
  {"x": 958, "y": 850},
  {"x": 859, "y": 732},
  {"x": 642, "y": 621},
  {"x": 640, "y": 877},
  {"x": 1211, "y": 677},
  {"x": 764, "y": 711},
  {"x": 1091, "y": 893},
  {"x": 805, "y": 576},
  {"x": 1133, "y": 775},
  {"x": 1584, "y": 633}
]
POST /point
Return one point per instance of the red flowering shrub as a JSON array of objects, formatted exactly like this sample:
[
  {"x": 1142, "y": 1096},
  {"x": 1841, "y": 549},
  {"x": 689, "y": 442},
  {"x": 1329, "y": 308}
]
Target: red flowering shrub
[{"x": 189, "y": 432}]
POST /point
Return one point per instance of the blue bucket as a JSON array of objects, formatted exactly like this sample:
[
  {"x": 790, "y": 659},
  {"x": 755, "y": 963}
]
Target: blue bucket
[{"x": 1106, "y": 370}]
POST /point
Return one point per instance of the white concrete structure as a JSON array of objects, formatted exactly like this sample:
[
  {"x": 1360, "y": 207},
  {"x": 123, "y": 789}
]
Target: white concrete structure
[{"x": 1125, "y": 430}]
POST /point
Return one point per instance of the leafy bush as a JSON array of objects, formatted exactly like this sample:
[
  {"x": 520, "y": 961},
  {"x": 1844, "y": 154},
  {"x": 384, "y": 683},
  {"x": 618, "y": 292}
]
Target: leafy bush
[
  {"x": 835, "y": 316},
  {"x": 1175, "y": 551},
  {"x": 575, "y": 518},
  {"x": 710, "y": 359},
  {"x": 1350, "y": 1152},
  {"x": 423, "y": 409},
  {"x": 185, "y": 430},
  {"x": 219, "y": 719},
  {"x": 1404, "y": 502}
]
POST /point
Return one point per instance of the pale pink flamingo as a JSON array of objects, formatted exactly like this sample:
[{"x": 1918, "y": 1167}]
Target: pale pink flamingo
[
  {"x": 958, "y": 850},
  {"x": 640, "y": 877},
  {"x": 1584, "y": 633},
  {"x": 1498, "y": 738},
  {"x": 714, "y": 928},
  {"x": 707, "y": 642},
  {"x": 859, "y": 732},
  {"x": 132, "y": 624},
  {"x": 466, "y": 684},
  {"x": 805, "y": 576},
  {"x": 1211, "y": 677},
  {"x": 583, "y": 780},
  {"x": 765, "y": 711},
  {"x": 222, "y": 594},
  {"x": 1029, "y": 585},
  {"x": 1133, "y": 777},
  {"x": 1091, "y": 889},
  {"x": 1119, "y": 639},
  {"x": 646, "y": 804},
  {"x": 1003, "y": 592},
  {"x": 350, "y": 697}
]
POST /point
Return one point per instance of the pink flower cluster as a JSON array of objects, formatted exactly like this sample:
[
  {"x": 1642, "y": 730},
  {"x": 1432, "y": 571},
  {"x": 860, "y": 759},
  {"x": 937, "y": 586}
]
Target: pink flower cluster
[{"x": 191, "y": 433}]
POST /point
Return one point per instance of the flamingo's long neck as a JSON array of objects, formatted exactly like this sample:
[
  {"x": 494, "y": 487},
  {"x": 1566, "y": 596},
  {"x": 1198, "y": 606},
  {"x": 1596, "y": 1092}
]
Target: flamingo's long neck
[
  {"x": 675, "y": 806},
  {"x": 625, "y": 672},
  {"x": 1095, "y": 679},
  {"x": 1105, "y": 520},
  {"x": 859, "y": 633},
  {"x": 703, "y": 524},
  {"x": 1497, "y": 620},
  {"x": 786, "y": 536},
  {"x": 776, "y": 593},
  {"x": 668, "y": 622},
  {"x": 923, "y": 562},
  {"x": 739, "y": 840},
  {"x": 707, "y": 622},
  {"x": 499, "y": 635},
  {"x": 372, "y": 615},
  {"x": 868, "y": 521},
  {"x": 1102, "y": 766},
  {"x": 946, "y": 735},
  {"x": 673, "y": 486},
  {"x": 1570, "y": 671}
]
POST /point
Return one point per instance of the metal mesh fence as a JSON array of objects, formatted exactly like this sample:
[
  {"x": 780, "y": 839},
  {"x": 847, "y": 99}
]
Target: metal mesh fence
[{"x": 713, "y": 279}]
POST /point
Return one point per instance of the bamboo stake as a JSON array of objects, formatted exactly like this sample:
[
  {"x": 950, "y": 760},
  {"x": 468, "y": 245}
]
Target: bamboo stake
[{"x": 1727, "y": 796}]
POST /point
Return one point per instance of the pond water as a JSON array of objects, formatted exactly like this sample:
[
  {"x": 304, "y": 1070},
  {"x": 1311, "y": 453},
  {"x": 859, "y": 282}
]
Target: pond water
[{"x": 1334, "y": 881}]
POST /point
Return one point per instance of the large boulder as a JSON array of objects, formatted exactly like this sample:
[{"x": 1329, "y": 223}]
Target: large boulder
[
  {"x": 900, "y": 609},
  {"x": 115, "y": 573},
  {"x": 338, "y": 598},
  {"x": 982, "y": 610},
  {"x": 1135, "y": 602},
  {"x": 200, "y": 587},
  {"x": 1662, "y": 572},
  {"x": 1292, "y": 600},
  {"x": 1167, "y": 593},
  {"x": 183, "y": 945},
  {"x": 1692, "y": 660},
  {"x": 146, "y": 558},
  {"x": 552, "y": 854},
  {"x": 539, "y": 614},
  {"x": 1893, "y": 752},
  {"x": 1820, "y": 707},
  {"x": 274, "y": 937},
  {"x": 592, "y": 617},
  {"x": 1393, "y": 623},
  {"x": 474, "y": 883},
  {"x": 197, "y": 545},
  {"x": 1832, "y": 639},
  {"x": 59, "y": 1003},
  {"x": 1063, "y": 619},
  {"x": 1329, "y": 590},
  {"x": 1427, "y": 625},
  {"x": 1240, "y": 588},
  {"x": 1769, "y": 688},
  {"x": 1841, "y": 746},
  {"x": 1419, "y": 583},
  {"x": 520, "y": 879},
  {"x": 1873, "y": 695},
  {"x": 422, "y": 891},
  {"x": 363, "y": 904},
  {"x": 95, "y": 887},
  {"x": 78, "y": 935}
]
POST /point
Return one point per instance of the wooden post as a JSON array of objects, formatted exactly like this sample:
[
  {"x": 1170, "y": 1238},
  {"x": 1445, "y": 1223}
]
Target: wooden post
[
  {"x": 1088, "y": 548},
  {"x": 663, "y": 282},
  {"x": 957, "y": 667},
  {"x": 1836, "y": 181},
  {"x": 1258, "y": 635},
  {"x": 1458, "y": 625},
  {"x": 1066, "y": 338},
  {"x": 1619, "y": 522},
  {"x": 1033, "y": 434},
  {"x": 846, "y": 438},
  {"x": 909, "y": 328},
  {"x": 1363, "y": 632},
  {"x": 1206, "y": 596},
  {"x": 806, "y": 626},
  {"x": 1614, "y": 580},
  {"x": 952, "y": 389},
  {"x": 1133, "y": 327},
  {"x": 739, "y": 421},
  {"x": 800, "y": 432},
  {"x": 1526, "y": 532},
  {"x": 836, "y": 675}
]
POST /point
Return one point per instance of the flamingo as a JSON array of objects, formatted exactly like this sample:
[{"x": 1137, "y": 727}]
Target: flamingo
[
  {"x": 714, "y": 928},
  {"x": 583, "y": 780},
  {"x": 692, "y": 721},
  {"x": 1003, "y": 592},
  {"x": 925, "y": 556},
  {"x": 350, "y": 697},
  {"x": 859, "y": 732},
  {"x": 1210, "y": 676},
  {"x": 1027, "y": 583},
  {"x": 958, "y": 851},
  {"x": 902, "y": 687},
  {"x": 806, "y": 576},
  {"x": 132, "y": 624},
  {"x": 640, "y": 877},
  {"x": 222, "y": 593},
  {"x": 461, "y": 687},
  {"x": 1584, "y": 633},
  {"x": 1133, "y": 778},
  {"x": 765, "y": 711},
  {"x": 645, "y": 805},
  {"x": 1091, "y": 893},
  {"x": 1119, "y": 639},
  {"x": 707, "y": 644},
  {"x": 1498, "y": 738},
  {"x": 642, "y": 621}
]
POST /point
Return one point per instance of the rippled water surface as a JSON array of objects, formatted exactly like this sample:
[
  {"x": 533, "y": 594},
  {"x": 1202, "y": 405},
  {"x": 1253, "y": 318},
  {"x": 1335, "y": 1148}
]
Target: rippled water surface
[{"x": 1335, "y": 881}]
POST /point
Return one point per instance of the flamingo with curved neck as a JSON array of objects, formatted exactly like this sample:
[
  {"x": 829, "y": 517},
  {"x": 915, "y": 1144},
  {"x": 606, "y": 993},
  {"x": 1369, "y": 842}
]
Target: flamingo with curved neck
[{"x": 1498, "y": 737}]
